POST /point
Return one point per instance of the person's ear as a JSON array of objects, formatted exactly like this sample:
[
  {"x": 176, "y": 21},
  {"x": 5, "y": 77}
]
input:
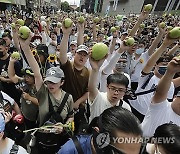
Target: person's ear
[
  {"x": 96, "y": 129},
  {"x": 7, "y": 48},
  {"x": 62, "y": 82}
]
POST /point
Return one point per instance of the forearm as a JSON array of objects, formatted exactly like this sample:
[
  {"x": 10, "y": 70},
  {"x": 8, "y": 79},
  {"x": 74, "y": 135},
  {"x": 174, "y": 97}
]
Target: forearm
[
  {"x": 63, "y": 49},
  {"x": 155, "y": 44},
  {"x": 16, "y": 108},
  {"x": 153, "y": 59},
  {"x": 16, "y": 41},
  {"x": 94, "y": 32},
  {"x": 173, "y": 50},
  {"x": 93, "y": 91},
  {"x": 135, "y": 28},
  {"x": 83, "y": 98},
  {"x": 32, "y": 62},
  {"x": 80, "y": 38},
  {"x": 33, "y": 100},
  {"x": 111, "y": 65},
  {"x": 112, "y": 46},
  {"x": 11, "y": 71},
  {"x": 163, "y": 87}
]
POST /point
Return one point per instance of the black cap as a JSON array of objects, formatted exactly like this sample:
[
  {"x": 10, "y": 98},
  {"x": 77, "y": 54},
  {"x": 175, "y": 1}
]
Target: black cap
[{"x": 43, "y": 50}]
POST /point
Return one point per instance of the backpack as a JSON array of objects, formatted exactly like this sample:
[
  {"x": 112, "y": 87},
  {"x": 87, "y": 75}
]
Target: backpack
[
  {"x": 50, "y": 140},
  {"x": 131, "y": 95}
]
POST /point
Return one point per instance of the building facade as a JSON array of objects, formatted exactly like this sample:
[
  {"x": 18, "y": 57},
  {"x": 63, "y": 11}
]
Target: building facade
[{"x": 113, "y": 7}]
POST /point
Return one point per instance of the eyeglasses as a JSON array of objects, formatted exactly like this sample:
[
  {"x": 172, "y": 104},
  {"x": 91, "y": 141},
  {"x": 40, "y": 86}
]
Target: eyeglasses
[{"x": 119, "y": 90}]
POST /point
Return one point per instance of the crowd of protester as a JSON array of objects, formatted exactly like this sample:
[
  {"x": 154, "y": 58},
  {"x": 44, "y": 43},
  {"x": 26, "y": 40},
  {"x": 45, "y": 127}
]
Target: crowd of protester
[{"x": 56, "y": 98}]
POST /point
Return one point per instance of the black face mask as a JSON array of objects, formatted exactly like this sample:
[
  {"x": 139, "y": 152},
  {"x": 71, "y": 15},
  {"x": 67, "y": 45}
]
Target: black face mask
[{"x": 1, "y": 54}]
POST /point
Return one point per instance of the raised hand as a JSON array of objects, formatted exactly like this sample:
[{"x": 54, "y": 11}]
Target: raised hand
[
  {"x": 174, "y": 65},
  {"x": 95, "y": 65},
  {"x": 65, "y": 30},
  {"x": 25, "y": 42}
]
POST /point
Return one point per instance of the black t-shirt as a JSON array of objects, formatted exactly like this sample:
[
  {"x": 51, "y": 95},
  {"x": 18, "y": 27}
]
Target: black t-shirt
[{"x": 9, "y": 88}]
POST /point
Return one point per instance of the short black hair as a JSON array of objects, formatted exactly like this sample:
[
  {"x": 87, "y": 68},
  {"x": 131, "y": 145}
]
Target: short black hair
[
  {"x": 169, "y": 131},
  {"x": 120, "y": 119},
  {"x": 164, "y": 58},
  {"x": 118, "y": 78},
  {"x": 7, "y": 34}
]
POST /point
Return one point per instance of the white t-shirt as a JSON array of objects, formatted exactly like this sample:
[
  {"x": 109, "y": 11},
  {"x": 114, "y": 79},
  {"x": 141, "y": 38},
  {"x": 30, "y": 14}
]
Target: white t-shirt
[
  {"x": 143, "y": 101},
  {"x": 100, "y": 104},
  {"x": 138, "y": 66},
  {"x": 10, "y": 143},
  {"x": 157, "y": 115},
  {"x": 7, "y": 98}
]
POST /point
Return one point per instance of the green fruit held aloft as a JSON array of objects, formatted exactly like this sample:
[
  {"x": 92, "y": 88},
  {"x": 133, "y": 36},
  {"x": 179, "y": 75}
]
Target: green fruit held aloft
[
  {"x": 13, "y": 25},
  {"x": 169, "y": 28},
  {"x": 20, "y": 22},
  {"x": 99, "y": 51},
  {"x": 162, "y": 24},
  {"x": 81, "y": 19},
  {"x": 113, "y": 29},
  {"x": 68, "y": 22},
  {"x": 59, "y": 25},
  {"x": 24, "y": 32},
  {"x": 142, "y": 25},
  {"x": 148, "y": 7},
  {"x": 129, "y": 41},
  {"x": 119, "y": 17},
  {"x": 117, "y": 27},
  {"x": 96, "y": 19},
  {"x": 174, "y": 33},
  {"x": 15, "y": 55}
]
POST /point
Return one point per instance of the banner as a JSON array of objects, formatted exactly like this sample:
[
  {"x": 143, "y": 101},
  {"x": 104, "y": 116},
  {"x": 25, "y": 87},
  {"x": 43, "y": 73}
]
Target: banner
[
  {"x": 7, "y": 1},
  {"x": 95, "y": 6}
]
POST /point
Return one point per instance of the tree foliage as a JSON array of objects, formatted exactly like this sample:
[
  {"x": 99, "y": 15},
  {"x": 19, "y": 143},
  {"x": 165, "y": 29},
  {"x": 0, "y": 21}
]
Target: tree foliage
[{"x": 65, "y": 6}]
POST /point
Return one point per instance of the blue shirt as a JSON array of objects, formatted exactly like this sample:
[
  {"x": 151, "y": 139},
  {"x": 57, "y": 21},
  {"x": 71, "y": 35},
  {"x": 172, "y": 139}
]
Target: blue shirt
[{"x": 69, "y": 147}]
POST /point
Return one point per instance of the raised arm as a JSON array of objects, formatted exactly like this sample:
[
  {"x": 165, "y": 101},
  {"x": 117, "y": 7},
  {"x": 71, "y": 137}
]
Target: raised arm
[
  {"x": 141, "y": 18},
  {"x": 32, "y": 62},
  {"x": 156, "y": 55},
  {"x": 156, "y": 41},
  {"x": 174, "y": 49},
  {"x": 114, "y": 59},
  {"x": 113, "y": 42},
  {"x": 64, "y": 44},
  {"x": 11, "y": 71},
  {"x": 165, "y": 82},
  {"x": 94, "y": 32},
  {"x": 15, "y": 37},
  {"x": 93, "y": 79},
  {"x": 80, "y": 38}
]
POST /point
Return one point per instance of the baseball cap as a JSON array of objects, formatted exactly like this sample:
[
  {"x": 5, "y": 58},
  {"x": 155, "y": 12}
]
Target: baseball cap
[
  {"x": 43, "y": 50},
  {"x": 124, "y": 33},
  {"x": 73, "y": 43},
  {"x": 29, "y": 71},
  {"x": 54, "y": 74},
  {"x": 2, "y": 123},
  {"x": 82, "y": 48}
]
